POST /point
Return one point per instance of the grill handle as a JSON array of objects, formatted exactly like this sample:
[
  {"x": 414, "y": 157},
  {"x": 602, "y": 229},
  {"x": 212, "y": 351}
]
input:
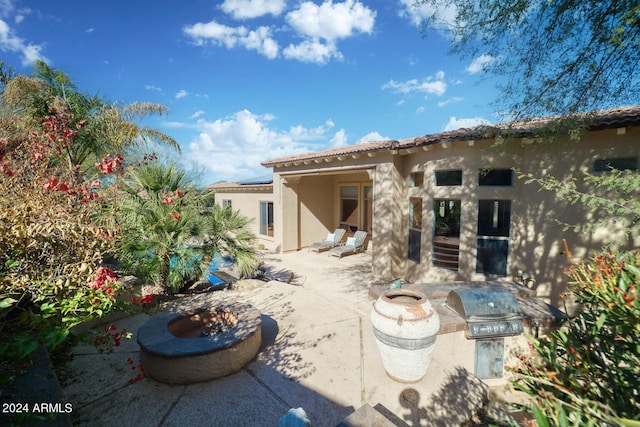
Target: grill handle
[{"x": 494, "y": 317}]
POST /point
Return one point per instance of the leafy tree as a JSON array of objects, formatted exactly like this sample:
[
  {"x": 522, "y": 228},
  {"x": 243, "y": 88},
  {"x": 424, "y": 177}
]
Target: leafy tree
[
  {"x": 169, "y": 229},
  {"x": 57, "y": 152},
  {"x": 106, "y": 128},
  {"x": 51, "y": 248},
  {"x": 558, "y": 57}
]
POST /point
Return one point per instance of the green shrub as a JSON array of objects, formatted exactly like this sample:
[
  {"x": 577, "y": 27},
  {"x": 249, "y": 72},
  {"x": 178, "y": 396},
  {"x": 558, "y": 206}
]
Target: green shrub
[{"x": 588, "y": 372}]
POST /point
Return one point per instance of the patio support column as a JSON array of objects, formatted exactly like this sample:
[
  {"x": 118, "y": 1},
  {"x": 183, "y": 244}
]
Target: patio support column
[
  {"x": 389, "y": 234},
  {"x": 290, "y": 214}
]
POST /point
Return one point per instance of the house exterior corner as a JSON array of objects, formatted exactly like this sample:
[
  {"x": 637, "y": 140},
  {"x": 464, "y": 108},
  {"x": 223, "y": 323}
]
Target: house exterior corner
[{"x": 452, "y": 206}]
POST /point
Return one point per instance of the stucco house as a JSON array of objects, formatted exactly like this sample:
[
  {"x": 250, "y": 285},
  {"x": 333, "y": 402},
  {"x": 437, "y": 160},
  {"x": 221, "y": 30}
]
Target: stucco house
[
  {"x": 254, "y": 199},
  {"x": 448, "y": 206}
]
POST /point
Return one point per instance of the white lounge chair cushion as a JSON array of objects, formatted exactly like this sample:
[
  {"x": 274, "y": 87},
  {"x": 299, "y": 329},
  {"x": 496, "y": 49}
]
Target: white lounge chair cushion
[
  {"x": 330, "y": 237},
  {"x": 351, "y": 241}
]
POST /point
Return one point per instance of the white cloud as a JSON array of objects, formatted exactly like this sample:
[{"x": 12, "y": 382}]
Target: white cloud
[
  {"x": 12, "y": 43},
  {"x": 6, "y": 7},
  {"x": 317, "y": 27},
  {"x": 418, "y": 14},
  {"x": 216, "y": 34},
  {"x": 21, "y": 14},
  {"x": 32, "y": 53},
  {"x": 152, "y": 88},
  {"x": 339, "y": 139},
  {"x": 451, "y": 100},
  {"x": 321, "y": 26},
  {"x": 331, "y": 21},
  {"x": 301, "y": 133},
  {"x": 181, "y": 94},
  {"x": 245, "y": 9},
  {"x": 89, "y": 30},
  {"x": 197, "y": 114},
  {"x": 420, "y": 110},
  {"x": 232, "y": 148},
  {"x": 312, "y": 51},
  {"x": 372, "y": 137},
  {"x": 480, "y": 63},
  {"x": 458, "y": 123},
  {"x": 432, "y": 85},
  {"x": 260, "y": 40}
]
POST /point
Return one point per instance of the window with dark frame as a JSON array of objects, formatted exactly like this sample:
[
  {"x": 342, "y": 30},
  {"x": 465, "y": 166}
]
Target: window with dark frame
[
  {"x": 416, "y": 179},
  {"x": 618, "y": 163},
  {"x": 448, "y": 178},
  {"x": 495, "y": 177},
  {"x": 349, "y": 212}
]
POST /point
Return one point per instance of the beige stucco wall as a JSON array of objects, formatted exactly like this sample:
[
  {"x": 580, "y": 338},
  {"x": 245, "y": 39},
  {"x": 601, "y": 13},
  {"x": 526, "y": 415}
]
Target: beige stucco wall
[
  {"x": 389, "y": 220},
  {"x": 470, "y": 159},
  {"x": 248, "y": 204},
  {"x": 309, "y": 204},
  {"x": 536, "y": 239},
  {"x": 537, "y": 243},
  {"x": 317, "y": 202},
  {"x": 306, "y": 205},
  {"x": 308, "y": 198}
]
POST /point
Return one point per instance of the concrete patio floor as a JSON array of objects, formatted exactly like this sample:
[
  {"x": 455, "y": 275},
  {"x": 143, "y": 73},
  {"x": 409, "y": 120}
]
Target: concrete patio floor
[{"x": 318, "y": 352}]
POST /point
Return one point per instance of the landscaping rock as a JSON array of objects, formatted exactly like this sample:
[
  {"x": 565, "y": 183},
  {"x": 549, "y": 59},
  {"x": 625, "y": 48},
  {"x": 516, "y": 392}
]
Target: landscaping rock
[{"x": 247, "y": 284}]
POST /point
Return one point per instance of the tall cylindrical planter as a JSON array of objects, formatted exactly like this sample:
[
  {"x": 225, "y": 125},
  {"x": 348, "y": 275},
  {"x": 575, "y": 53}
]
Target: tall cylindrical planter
[{"x": 405, "y": 326}]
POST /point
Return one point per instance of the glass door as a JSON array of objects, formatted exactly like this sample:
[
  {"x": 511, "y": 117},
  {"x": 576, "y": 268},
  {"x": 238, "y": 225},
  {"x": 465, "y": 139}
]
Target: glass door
[
  {"x": 415, "y": 228},
  {"x": 494, "y": 224},
  {"x": 446, "y": 236}
]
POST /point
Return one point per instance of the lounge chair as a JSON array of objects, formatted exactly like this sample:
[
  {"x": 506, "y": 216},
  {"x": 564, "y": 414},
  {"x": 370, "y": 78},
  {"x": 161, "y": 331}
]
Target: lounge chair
[
  {"x": 353, "y": 245},
  {"x": 333, "y": 239}
]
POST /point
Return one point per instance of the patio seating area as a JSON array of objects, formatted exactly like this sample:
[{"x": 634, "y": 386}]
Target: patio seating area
[
  {"x": 318, "y": 353},
  {"x": 333, "y": 239},
  {"x": 353, "y": 245}
]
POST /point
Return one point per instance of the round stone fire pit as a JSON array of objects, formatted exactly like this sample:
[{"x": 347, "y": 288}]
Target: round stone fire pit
[{"x": 199, "y": 345}]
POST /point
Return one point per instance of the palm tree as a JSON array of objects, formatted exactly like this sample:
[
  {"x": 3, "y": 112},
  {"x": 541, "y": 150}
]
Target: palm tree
[
  {"x": 227, "y": 232},
  {"x": 169, "y": 228},
  {"x": 103, "y": 127}
]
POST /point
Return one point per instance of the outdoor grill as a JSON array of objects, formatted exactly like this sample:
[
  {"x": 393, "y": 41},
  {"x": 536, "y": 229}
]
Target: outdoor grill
[{"x": 488, "y": 313}]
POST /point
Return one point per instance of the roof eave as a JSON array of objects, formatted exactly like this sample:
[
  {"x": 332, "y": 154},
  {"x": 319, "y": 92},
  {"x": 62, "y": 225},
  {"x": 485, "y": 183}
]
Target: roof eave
[{"x": 534, "y": 128}]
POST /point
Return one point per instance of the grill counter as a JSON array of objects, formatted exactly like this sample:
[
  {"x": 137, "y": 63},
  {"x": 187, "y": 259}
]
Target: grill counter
[{"x": 488, "y": 312}]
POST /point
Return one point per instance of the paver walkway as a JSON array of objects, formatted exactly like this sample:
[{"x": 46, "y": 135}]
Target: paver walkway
[{"x": 318, "y": 353}]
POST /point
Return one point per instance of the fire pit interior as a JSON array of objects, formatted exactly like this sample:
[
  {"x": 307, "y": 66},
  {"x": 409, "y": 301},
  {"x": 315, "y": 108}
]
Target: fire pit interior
[
  {"x": 199, "y": 345},
  {"x": 203, "y": 323}
]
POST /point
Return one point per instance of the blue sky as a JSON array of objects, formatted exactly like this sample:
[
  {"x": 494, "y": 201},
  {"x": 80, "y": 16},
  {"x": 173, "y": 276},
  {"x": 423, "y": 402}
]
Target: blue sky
[{"x": 251, "y": 80}]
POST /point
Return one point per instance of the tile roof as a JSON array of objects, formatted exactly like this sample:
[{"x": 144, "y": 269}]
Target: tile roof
[
  {"x": 247, "y": 185},
  {"x": 603, "y": 119}
]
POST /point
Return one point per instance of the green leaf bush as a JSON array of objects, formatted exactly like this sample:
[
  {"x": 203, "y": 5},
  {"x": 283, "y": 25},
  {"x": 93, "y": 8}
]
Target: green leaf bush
[
  {"x": 588, "y": 372},
  {"x": 169, "y": 230},
  {"x": 51, "y": 245}
]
